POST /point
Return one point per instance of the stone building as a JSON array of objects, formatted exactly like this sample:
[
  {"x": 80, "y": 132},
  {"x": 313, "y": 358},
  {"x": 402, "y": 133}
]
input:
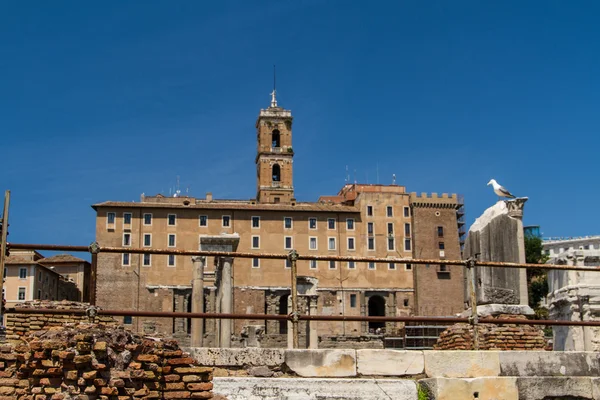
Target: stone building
[
  {"x": 361, "y": 220},
  {"x": 555, "y": 246}
]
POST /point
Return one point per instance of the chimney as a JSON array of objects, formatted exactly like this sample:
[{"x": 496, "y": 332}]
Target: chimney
[{"x": 209, "y": 196}]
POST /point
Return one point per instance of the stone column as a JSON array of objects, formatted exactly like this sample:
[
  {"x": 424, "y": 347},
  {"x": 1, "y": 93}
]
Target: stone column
[
  {"x": 390, "y": 311},
  {"x": 290, "y": 332},
  {"x": 515, "y": 210},
  {"x": 226, "y": 300},
  {"x": 364, "y": 325},
  {"x": 313, "y": 337},
  {"x": 211, "y": 327},
  {"x": 198, "y": 300}
]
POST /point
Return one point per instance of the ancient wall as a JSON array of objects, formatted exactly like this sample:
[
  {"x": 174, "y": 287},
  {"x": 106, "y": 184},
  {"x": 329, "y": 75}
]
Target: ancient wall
[
  {"x": 94, "y": 361},
  {"x": 19, "y": 325}
]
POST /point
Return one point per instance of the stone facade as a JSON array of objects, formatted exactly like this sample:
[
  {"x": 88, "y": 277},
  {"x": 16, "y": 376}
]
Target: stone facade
[{"x": 361, "y": 220}]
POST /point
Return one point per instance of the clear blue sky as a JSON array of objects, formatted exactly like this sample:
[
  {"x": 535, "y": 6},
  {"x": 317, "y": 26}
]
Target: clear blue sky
[{"x": 106, "y": 100}]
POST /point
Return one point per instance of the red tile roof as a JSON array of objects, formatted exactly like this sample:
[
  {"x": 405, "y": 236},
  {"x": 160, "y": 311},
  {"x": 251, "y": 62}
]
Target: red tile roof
[{"x": 61, "y": 258}]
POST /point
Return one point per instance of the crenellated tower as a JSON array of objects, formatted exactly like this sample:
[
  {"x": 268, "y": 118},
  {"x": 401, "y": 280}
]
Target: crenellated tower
[{"x": 275, "y": 156}]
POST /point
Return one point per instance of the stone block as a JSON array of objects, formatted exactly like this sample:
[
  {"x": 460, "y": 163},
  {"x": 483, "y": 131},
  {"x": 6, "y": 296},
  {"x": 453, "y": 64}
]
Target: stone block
[
  {"x": 237, "y": 357},
  {"x": 321, "y": 363},
  {"x": 461, "y": 364},
  {"x": 490, "y": 388},
  {"x": 314, "y": 388},
  {"x": 544, "y": 388},
  {"x": 389, "y": 362},
  {"x": 549, "y": 363}
]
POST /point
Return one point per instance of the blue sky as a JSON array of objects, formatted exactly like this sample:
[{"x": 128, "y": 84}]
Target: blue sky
[{"x": 106, "y": 100}]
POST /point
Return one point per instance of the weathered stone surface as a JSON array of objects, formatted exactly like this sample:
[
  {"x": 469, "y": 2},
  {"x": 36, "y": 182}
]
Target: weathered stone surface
[
  {"x": 461, "y": 364},
  {"x": 491, "y": 388},
  {"x": 550, "y": 388},
  {"x": 549, "y": 363},
  {"x": 262, "y": 372},
  {"x": 488, "y": 310},
  {"x": 314, "y": 388},
  {"x": 389, "y": 362},
  {"x": 322, "y": 363},
  {"x": 237, "y": 357}
]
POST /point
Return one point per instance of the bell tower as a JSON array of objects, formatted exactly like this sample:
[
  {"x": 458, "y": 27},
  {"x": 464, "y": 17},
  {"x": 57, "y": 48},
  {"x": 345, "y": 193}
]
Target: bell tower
[{"x": 274, "y": 157}]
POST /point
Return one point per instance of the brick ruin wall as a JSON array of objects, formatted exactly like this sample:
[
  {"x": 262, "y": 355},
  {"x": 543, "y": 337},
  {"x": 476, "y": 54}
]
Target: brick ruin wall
[
  {"x": 19, "y": 325},
  {"x": 494, "y": 337}
]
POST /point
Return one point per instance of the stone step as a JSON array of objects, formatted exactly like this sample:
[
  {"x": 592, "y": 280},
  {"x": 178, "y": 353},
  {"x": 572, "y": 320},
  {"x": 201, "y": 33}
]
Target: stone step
[{"x": 314, "y": 389}]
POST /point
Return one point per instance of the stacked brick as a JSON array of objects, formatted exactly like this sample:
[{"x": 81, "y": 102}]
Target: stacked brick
[
  {"x": 97, "y": 362},
  {"x": 18, "y": 325},
  {"x": 493, "y": 337}
]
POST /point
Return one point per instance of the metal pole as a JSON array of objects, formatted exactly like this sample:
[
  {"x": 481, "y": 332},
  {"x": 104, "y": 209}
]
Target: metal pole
[
  {"x": 4, "y": 244},
  {"x": 94, "y": 249},
  {"x": 293, "y": 257},
  {"x": 474, "y": 320}
]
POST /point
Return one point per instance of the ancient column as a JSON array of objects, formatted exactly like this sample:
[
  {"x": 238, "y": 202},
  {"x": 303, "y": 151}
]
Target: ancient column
[
  {"x": 313, "y": 337},
  {"x": 515, "y": 210},
  {"x": 226, "y": 300},
  {"x": 198, "y": 300},
  {"x": 290, "y": 332}
]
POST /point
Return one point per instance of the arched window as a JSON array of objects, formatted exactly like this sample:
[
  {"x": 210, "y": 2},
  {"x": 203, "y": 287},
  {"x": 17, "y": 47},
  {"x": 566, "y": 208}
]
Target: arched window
[
  {"x": 275, "y": 141},
  {"x": 276, "y": 173}
]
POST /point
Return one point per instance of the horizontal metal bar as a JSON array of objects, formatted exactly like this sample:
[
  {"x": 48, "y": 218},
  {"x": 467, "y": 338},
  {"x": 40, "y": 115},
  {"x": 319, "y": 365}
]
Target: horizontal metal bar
[
  {"x": 166, "y": 314},
  {"x": 415, "y": 261}
]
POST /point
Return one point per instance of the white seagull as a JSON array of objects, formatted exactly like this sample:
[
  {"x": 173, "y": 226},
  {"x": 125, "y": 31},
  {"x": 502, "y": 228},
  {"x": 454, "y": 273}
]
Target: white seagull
[{"x": 500, "y": 190}]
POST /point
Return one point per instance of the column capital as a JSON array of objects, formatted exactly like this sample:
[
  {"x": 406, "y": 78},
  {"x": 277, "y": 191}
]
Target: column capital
[
  {"x": 226, "y": 259},
  {"x": 200, "y": 259},
  {"x": 515, "y": 207}
]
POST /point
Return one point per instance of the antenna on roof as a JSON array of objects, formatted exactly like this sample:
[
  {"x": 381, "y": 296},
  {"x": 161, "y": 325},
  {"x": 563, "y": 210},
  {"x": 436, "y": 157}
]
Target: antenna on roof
[
  {"x": 393, "y": 179},
  {"x": 347, "y": 177},
  {"x": 355, "y": 176}
]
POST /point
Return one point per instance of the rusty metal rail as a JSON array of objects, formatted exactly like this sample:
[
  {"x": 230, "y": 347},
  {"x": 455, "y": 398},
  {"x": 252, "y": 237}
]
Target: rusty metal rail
[
  {"x": 301, "y": 317},
  {"x": 282, "y": 256}
]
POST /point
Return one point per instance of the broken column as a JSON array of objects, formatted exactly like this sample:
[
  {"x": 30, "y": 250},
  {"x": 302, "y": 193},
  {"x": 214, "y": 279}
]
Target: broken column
[
  {"x": 575, "y": 296},
  {"x": 198, "y": 300},
  {"x": 223, "y": 281}
]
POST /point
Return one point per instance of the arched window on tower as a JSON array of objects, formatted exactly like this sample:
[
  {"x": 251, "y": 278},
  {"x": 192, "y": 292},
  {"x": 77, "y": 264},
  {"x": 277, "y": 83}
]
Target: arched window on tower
[
  {"x": 275, "y": 139},
  {"x": 276, "y": 173}
]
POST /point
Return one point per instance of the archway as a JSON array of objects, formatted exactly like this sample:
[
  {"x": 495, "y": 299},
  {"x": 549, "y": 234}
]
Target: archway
[{"x": 376, "y": 309}]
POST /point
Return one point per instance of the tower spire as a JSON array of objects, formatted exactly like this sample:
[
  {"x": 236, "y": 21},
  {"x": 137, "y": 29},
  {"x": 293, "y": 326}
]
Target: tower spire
[{"x": 274, "y": 92}]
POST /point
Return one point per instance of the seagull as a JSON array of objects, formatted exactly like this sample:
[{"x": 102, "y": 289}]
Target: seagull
[{"x": 500, "y": 190}]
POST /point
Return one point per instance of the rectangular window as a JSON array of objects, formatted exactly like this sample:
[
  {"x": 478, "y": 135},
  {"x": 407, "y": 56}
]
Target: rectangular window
[
  {"x": 331, "y": 264},
  {"x": 407, "y": 244},
  {"x": 353, "y": 300},
  {"x": 312, "y": 223},
  {"x": 313, "y": 264},
  {"x": 172, "y": 219},
  {"x": 391, "y": 243},
  {"x": 127, "y": 320},
  {"x": 287, "y": 222},
  {"x": 408, "y": 267},
  {"x": 225, "y": 221},
  {"x": 371, "y": 265},
  {"x": 351, "y": 265},
  {"x": 443, "y": 268},
  {"x": 406, "y": 212},
  {"x": 127, "y": 239},
  {"x": 125, "y": 261},
  {"x": 441, "y": 245},
  {"x": 288, "y": 242},
  {"x": 171, "y": 260},
  {"x": 350, "y": 224},
  {"x": 22, "y": 293},
  {"x": 256, "y": 242},
  {"x": 391, "y": 266},
  {"x": 110, "y": 218},
  {"x": 287, "y": 263},
  {"x": 39, "y": 276},
  {"x": 22, "y": 273},
  {"x": 203, "y": 220},
  {"x": 390, "y": 227},
  {"x": 171, "y": 240},
  {"x": 312, "y": 243},
  {"x": 255, "y": 222},
  {"x": 350, "y": 243},
  {"x": 405, "y": 302},
  {"x": 331, "y": 243},
  {"x": 370, "y": 211},
  {"x": 147, "y": 219},
  {"x": 390, "y": 211},
  {"x": 331, "y": 223},
  {"x": 440, "y": 231},
  {"x": 126, "y": 218},
  {"x": 147, "y": 239},
  {"x": 407, "y": 230},
  {"x": 370, "y": 228},
  {"x": 371, "y": 243},
  {"x": 256, "y": 263},
  {"x": 147, "y": 259}
]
